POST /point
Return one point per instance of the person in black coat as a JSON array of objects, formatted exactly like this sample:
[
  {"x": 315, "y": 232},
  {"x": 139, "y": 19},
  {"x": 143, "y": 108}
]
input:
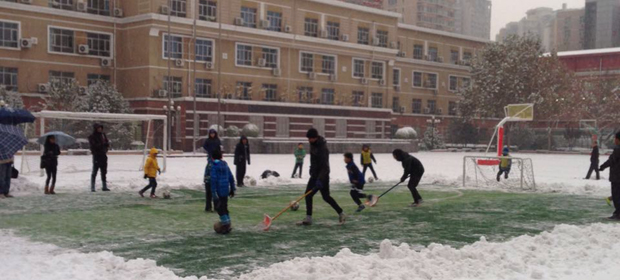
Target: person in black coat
[
  {"x": 594, "y": 162},
  {"x": 319, "y": 176},
  {"x": 212, "y": 143},
  {"x": 49, "y": 161},
  {"x": 242, "y": 156},
  {"x": 614, "y": 176},
  {"x": 99, "y": 145},
  {"x": 413, "y": 169}
]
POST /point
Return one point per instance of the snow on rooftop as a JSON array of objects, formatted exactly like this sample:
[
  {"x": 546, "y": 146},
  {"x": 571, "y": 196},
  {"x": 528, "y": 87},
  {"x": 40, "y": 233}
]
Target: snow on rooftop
[{"x": 589, "y": 52}]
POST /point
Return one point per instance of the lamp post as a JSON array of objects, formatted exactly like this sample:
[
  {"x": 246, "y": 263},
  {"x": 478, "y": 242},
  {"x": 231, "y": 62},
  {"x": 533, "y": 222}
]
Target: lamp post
[
  {"x": 173, "y": 114},
  {"x": 432, "y": 121}
]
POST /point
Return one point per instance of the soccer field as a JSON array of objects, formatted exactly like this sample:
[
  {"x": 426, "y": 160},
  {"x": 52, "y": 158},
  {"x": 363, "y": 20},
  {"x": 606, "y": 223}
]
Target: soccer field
[{"x": 178, "y": 234}]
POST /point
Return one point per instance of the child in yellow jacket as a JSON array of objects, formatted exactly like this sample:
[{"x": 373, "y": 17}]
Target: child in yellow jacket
[{"x": 151, "y": 169}]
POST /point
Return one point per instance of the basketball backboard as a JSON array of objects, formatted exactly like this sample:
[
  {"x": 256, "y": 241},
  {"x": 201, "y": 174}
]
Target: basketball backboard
[{"x": 520, "y": 112}]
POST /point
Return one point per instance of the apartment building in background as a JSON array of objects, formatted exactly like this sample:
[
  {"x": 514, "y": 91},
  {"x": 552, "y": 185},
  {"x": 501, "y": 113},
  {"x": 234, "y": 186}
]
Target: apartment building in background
[
  {"x": 433, "y": 14},
  {"x": 473, "y": 18},
  {"x": 569, "y": 29},
  {"x": 602, "y": 24},
  {"x": 378, "y": 4},
  {"x": 353, "y": 72}
]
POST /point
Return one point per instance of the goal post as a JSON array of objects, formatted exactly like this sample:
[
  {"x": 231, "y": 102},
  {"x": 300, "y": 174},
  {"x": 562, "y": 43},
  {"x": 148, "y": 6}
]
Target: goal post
[
  {"x": 107, "y": 118},
  {"x": 521, "y": 174}
]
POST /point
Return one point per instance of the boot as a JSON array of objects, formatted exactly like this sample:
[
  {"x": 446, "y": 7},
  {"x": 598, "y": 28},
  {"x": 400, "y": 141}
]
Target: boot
[
  {"x": 342, "y": 218},
  {"x": 47, "y": 190},
  {"x": 105, "y": 187},
  {"x": 141, "y": 193},
  {"x": 52, "y": 190},
  {"x": 305, "y": 222},
  {"x": 360, "y": 208}
]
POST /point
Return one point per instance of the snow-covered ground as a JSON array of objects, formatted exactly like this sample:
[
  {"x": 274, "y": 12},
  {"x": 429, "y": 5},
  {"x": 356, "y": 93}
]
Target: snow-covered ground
[{"x": 567, "y": 252}]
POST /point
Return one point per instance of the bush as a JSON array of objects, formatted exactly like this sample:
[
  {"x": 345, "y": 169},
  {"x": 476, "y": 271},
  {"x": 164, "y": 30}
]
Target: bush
[
  {"x": 250, "y": 130},
  {"x": 406, "y": 132},
  {"x": 233, "y": 131},
  {"x": 433, "y": 139}
]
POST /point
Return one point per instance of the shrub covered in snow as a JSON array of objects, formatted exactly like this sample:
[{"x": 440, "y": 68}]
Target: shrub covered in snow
[
  {"x": 217, "y": 128},
  {"x": 433, "y": 139},
  {"x": 406, "y": 132},
  {"x": 233, "y": 131},
  {"x": 250, "y": 130}
]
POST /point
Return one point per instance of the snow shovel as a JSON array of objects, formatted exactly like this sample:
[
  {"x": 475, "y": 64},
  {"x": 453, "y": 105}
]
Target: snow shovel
[
  {"x": 375, "y": 199},
  {"x": 268, "y": 220}
]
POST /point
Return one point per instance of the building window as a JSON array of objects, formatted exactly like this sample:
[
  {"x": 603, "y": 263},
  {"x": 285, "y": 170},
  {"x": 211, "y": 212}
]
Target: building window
[
  {"x": 271, "y": 92},
  {"x": 376, "y": 100},
  {"x": 202, "y": 88},
  {"x": 417, "y": 79},
  {"x": 418, "y": 52},
  {"x": 176, "y": 46},
  {"x": 333, "y": 30},
  {"x": 327, "y": 96},
  {"x": 433, "y": 54},
  {"x": 92, "y": 79},
  {"x": 431, "y": 81},
  {"x": 58, "y": 78},
  {"x": 358, "y": 98},
  {"x": 454, "y": 83},
  {"x": 416, "y": 106},
  {"x": 9, "y": 34},
  {"x": 396, "y": 77},
  {"x": 377, "y": 70},
  {"x": 396, "y": 105},
  {"x": 454, "y": 57},
  {"x": 98, "y": 7},
  {"x": 431, "y": 105},
  {"x": 61, "y": 4},
  {"x": 8, "y": 78},
  {"x": 275, "y": 21},
  {"x": 466, "y": 83},
  {"x": 328, "y": 64},
  {"x": 204, "y": 50},
  {"x": 249, "y": 16},
  {"x": 179, "y": 8},
  {"x": 99, "y": 44},
  {"x": 207, "y": 10},
  {"x": 452, "y": 108},
  {"x": 174, "y": 86},
  {"x": 467, "y": 56},
  {"x": 359, "y": 68},
  {"x": 305, "y": 94},
  {"x": 363, "y": 35},
  {"x": 307, "y": 62},
  {"x": 271, "y": 57},
  {"x": 62, "y": 40},
  {"x": 311, "y": 27},
  {"x": 244, "y": 55},
  {"x": 383, "y": 38},
  {"x": 244, "y": 90}
]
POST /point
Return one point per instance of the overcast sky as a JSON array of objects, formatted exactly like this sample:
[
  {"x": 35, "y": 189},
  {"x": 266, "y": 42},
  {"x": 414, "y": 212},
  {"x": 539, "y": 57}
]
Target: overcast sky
[{"x": 505, "y": 11}]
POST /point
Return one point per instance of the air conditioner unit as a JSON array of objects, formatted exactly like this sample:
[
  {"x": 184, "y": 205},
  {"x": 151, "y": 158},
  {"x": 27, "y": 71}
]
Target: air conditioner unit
[
  {"x": 179, "y": 63},
  {"x": 333, "y": 78},
  {"x": 239, "y": 21},
  {"x": 345, "y": 37},
  {"x": 209, "y": 65},
  {"x": 43, "y": 88},
  {"x": 118, "y": 12},
  {"x": 440, "y": 59},
  {"x": 439, "y": 111},
  {"x": 402, "y": 109},
  {"x": 265, "y": 24},
  {"x": 288, "y": 29},
  {"x": 427, "y": 110},
  {"x": 311, "y": 75},
  {"x": 81, "y": 6},
  {"x": 393, "y": 45},
  {"x": 364, "y": 81},
  {"x": 397, "y": 87},
  {"x": 161, "y": 93},
  {"x": 402, "y": 54},
  {"x": 324, "y": 33},
  {"x": 55, "y": 3},
  {"x": 211, "y": 18},
  {"x": 26, "y": 43},
  {"x": 382, "y": 82},
  {"x": 25, "y": 1},
  {"x": 83, "y": 49},
  {"x": 375, "y": 41},
  {"x": 262, "y": 62},
  {"x": 82, "y": 90},
  {"x": 164, "y": 10},
  {"x": 277, "y": 72},
  {"x": 106, "y": 62}
]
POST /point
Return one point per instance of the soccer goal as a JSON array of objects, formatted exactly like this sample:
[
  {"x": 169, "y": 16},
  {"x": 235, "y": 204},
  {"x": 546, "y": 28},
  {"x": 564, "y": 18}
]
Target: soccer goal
[
  {"x": 135, "y": 131},
  {"x": 479, "y": 170}
]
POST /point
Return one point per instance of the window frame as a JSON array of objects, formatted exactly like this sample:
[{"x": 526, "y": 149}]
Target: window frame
[
  {"x": 19, "y": 34},
  {"x": 62, "y": 80},
  {"x": 209, "y": 57},
  {"x": 328, "y": 96},
  {"x": 456, "y": 86},
  {"x": 203, "y": 83},
  {"x": 75, "y": 45},
  {"x": 107, "y": 47},
  {"x": 360, "y": 35},
  {"x": 207, "y": 6},
  {"x": 253, "y": 56},
  {"x": 176, "y": 81},
  {"x": 91, "y": 9},
  {"x": 354, "y": 68},
  {"x": 355, "y": 101},
  {"x": 428, "y": 75},
  {"x": 372, "y": 70},
  {"x": 92, "y": 78},
  {"x": 245, "y": 92},
  {"x": 12, "y": 73},
  {"x": 333, "y": 30},
  {"x": 417, "y": 106},
  {"x": 182, "y": 13},
  {"x": 307, "y": 92},
  {"x": 315, "y": 57},
  {"x": 395, "y": 81},
  {"x": 413, "y": 79},
  {"x": 433, "y": 110},
  {"x": 270, "y": 88},
  {"x": 421, "y": 56},
  {"x": 164, "y": 45},
  {"x": 67, "y": 5},
  {"x": 452, "y": 108},
  {"x": 384, "y": 38},
  {"x": 374, "y": 96},
  {"x": 274, "y": 17},
  {"x": 249, "y": 13},
  {"x": 311, "y": 22}
]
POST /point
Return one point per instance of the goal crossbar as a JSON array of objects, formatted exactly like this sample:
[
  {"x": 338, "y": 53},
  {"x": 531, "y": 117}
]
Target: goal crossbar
[{"x": 523, "y": 166}]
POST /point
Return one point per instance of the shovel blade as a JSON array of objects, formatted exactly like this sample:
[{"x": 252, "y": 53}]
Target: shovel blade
[{"x": 266, "y": 222}]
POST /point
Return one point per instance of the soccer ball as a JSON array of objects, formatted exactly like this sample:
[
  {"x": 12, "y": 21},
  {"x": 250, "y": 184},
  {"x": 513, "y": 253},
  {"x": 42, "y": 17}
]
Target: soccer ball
[
  {"x": 166, "y": 195},
  {"x": 221, "y": 229},
  {"x": 295, "y": 176},
  {"x": 294, "y": 205},
  {"x": 371, "y": 179},
  {"x": 247, "y": 180}
]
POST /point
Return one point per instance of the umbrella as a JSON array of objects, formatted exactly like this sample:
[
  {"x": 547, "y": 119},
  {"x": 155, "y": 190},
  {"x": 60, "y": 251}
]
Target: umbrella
[
  {"x": 62, "y": 139},
  {"x": 12, "y": 139},
  {"x": 11, "y": 116}
]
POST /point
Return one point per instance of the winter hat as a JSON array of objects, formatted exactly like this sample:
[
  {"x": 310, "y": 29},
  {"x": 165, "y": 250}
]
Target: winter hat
[
  {"x": 505, "y": 150},
  {"x": 312, "y": 133},
  {"x": 348, "y": 155},
  {"x": 399, "y": 154}
]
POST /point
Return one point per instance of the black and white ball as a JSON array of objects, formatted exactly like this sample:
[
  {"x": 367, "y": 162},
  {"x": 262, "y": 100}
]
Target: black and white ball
[
  {"x": 371, "y": 180},
  {"x": 249, "y": 181},
  {"x": 221, "y": 229},
  {"x": 166, "y": 194},
  {"x": 294, "y": 205}
]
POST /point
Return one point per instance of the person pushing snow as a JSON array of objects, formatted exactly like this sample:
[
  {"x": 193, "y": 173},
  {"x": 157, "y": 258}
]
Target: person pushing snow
[
  {"x": 319, "y": 176},
  {"x": 357, "y": 182},
  {"x": 223, "y": 187},
  {"x": 505, "y": 164},
  {"x": 151, "y": 169},
  {"x": 614, "y": 176},
  {"x": 413, "y": 169}
]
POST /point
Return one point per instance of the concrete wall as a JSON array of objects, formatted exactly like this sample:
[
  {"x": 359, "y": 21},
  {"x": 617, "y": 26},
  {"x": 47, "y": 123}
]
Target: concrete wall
[{"x": 266, "y": 146}]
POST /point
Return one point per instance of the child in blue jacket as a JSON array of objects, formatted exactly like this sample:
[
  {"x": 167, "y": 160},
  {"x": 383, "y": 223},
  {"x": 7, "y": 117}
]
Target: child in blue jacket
[
  {"x": 222, "y": 187},
  {"x": 357, "y": 182}
]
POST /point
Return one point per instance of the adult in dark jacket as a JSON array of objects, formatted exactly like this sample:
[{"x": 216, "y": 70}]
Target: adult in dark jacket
[
  {"x": 49, "y": 161},
  {"x": 413, "y": 169},
  {"x": 594, "y": 162},
  {"x": 242, "y": 156},
  {"x": 99, "y": 145},
  {"x": 614, "y": 176},
  {"x": 319, "y": 176},
  {"x": 212, "y": 143}
]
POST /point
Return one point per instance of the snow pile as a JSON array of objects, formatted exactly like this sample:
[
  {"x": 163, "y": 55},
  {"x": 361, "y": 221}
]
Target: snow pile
[
  {"x": 567, "y": 252},
  {"x": 406, "y": 132},
  {"x": 250, "y": 130}
]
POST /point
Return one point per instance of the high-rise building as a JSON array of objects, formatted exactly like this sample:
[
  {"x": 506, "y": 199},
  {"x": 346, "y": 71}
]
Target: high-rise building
[
  {"x": 433, "y": 14},
  {"x": 538, "y": 22},
  {"x": 473, "y": 18},
  {"x": 569, "y": 29},
  {"x": 370, "y": 3},
  {"x": 602, "y": 24}
]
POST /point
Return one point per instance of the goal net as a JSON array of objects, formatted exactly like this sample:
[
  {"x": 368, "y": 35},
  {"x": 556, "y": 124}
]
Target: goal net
[{"x": 482, "y": 171}]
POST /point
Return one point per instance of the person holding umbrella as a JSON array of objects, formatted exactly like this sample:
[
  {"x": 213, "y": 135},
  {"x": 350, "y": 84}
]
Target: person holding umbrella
[
  {"x": 12, "y": 139},
  {"x": 52, "y": 141}
]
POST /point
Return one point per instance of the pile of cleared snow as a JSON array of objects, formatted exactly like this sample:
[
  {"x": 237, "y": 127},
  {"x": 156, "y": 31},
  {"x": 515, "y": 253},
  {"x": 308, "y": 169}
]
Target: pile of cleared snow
[{"x": 567, "y": 252}]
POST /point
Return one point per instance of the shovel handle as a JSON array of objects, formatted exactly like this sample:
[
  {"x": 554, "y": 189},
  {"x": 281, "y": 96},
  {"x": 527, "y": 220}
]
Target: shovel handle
[{"x": 291, "y": 205}]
